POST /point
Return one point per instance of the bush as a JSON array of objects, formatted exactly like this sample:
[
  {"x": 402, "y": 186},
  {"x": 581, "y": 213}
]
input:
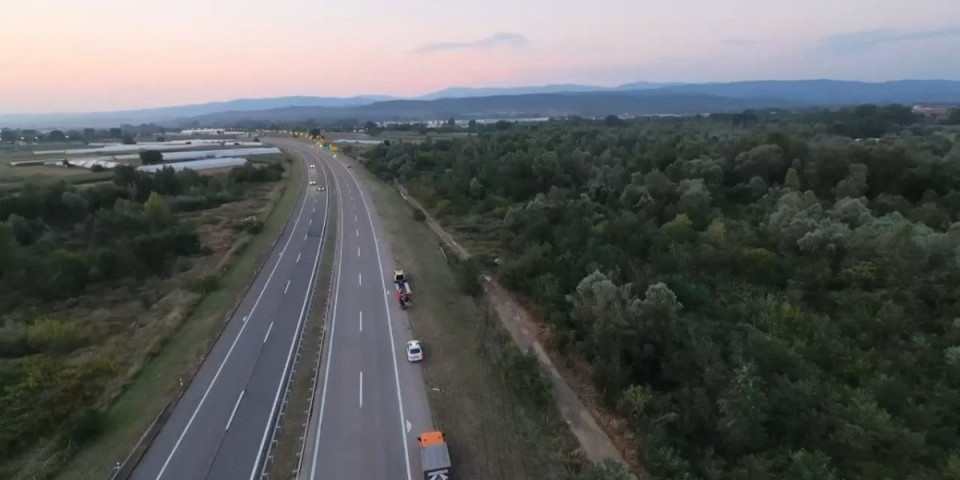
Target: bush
[
  {"x": 151, "y": 157},
  {"x": 83, "y": 426},
  {"x": 467, "y": 273},
  {"x": 522, "y": 374},
  {"x": 13, "y": 340},
  {"x": 418, "y": 215},
  {"x": 206, "y": 284},
  {"x": 188, "y": 203},
  {"x": 56, "y": 336}
]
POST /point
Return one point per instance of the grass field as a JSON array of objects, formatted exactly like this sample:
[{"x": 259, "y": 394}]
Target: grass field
[
  {"x": 155, "y": 381},
  {"x": 494, "y": 433}
]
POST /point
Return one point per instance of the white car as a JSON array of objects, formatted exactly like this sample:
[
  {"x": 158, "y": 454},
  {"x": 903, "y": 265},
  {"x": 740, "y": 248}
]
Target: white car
[
  {"x": 313, "y": 182},
  {"x": 414, "y": 351}
]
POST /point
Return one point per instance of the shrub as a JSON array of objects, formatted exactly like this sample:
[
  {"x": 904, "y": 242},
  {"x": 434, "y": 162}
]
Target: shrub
[
  {"x": 206, "y": 284},
  {"x": 83, "y": 426},
  {"x": 56, "y": 336},
  {"x": 522, "y": 374},
  {"x": 467, "y": 273},
  {"x": 418, "y": 215}
]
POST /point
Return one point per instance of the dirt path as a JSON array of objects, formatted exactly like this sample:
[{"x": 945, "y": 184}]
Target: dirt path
[{"x": 593, "y": 439}]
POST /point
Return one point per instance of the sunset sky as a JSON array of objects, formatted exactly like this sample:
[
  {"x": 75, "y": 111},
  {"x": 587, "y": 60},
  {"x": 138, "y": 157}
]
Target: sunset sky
[{"x": 69, "y": 55}]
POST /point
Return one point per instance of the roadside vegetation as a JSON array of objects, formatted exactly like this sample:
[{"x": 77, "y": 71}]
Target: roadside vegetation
[
  {"x": 764, "y": 295},
  {"x": 95, "y": 281}
]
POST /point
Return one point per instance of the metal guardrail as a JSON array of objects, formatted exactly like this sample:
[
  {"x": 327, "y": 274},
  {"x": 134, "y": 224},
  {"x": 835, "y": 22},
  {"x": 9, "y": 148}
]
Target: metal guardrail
[{"x": 280, "y": 414}]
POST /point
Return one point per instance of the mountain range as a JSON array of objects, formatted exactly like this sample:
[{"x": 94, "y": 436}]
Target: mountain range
[{"x": 638, "y": 98}]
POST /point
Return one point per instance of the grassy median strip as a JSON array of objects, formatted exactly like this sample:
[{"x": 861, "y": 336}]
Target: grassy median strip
[
  {"x": 285, "y": 456},
  {"x": 182, "y": 354},
  {"x": 494, "y": 429}
]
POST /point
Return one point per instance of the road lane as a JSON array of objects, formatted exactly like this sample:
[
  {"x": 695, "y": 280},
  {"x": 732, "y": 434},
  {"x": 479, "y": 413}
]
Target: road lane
[
  {"x": 372, "y": 440},
  {"x": 245, "y": 364}
]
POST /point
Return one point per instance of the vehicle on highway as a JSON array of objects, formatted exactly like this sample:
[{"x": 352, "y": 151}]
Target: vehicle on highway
[
  {"x": 414, "y": 351},
  {"x": 313, "y": 182},
  {"x": 313, "y": 166},
  {"x": 321, "y": 188},
  {"x": 404, "y": 292},
  {"x": 434, "y": 456}
]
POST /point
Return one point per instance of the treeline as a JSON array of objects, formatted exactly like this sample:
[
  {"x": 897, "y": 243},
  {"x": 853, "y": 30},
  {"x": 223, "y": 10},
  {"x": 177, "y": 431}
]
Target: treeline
[
  {"x": 761, "y": 296},
  {"x": 125, "y": 133},
  {"x": 58, "y": 242}
]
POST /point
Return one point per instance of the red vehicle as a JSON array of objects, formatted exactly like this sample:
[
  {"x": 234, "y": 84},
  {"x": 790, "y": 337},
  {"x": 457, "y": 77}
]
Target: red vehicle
[{"x": 404, "y": 292}]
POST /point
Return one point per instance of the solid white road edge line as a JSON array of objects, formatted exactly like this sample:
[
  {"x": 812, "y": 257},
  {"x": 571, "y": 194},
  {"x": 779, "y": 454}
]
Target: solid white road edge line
[
  {"x": 269, "y": 329},
  {"x": 293, "y": 344},
  {"x": 226, "y": 357},
  {"x": 386, "y": 306},
  {"x": 234, "y": 412},
  {"x": 333, "y": 330}
]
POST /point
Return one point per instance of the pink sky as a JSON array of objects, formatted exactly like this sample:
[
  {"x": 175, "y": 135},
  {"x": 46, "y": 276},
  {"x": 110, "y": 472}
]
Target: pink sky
[{"x": 65, "y": 55}]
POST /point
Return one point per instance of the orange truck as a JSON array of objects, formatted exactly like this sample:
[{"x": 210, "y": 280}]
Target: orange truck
[{"x": 434, "y": 457}]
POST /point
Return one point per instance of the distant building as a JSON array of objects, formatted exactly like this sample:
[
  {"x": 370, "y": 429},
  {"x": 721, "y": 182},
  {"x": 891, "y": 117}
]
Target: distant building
[{"x": 930, "y": 111}]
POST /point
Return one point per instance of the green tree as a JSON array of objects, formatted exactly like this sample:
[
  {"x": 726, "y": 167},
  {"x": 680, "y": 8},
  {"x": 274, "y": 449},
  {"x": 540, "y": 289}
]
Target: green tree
[
  {"x": 157, "y": 211},
  {"x": 7, "y": 248},
  {"x": 476, "y": 188},
  {"x": 680, "y": 229},
  {"x": 56, "y": 136},
  {"x": 151, "y": 157},
  {"x": 764, "y": 161},
  {"x": 792, "y": 180},
  {"x": 608, "y": 470}
]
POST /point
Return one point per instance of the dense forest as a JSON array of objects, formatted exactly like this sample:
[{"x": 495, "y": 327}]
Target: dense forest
[
  {"x": 764, "y": 295},
  {"x": 59, "y": 243}
]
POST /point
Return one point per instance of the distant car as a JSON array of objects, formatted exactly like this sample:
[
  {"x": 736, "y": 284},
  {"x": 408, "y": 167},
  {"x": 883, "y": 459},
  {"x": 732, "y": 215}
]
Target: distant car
[
  {"x": 414, "y": 351},
  {"x": 313, "y": 182},
  {"x": 321, "y": 188},
  {"x": 313, "y": 166},
  {"x": 349, "y": 166}
]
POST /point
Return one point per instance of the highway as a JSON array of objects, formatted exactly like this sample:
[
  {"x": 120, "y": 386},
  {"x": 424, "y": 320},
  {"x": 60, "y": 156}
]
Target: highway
[
  {"x": 219, "y": 428},
  {"x": 370, "y": 403}
]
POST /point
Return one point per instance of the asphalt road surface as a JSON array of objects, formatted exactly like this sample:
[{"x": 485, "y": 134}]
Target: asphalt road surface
[
  {"x": 221, "y": 425},
  {"x": 370, "y": 404}
]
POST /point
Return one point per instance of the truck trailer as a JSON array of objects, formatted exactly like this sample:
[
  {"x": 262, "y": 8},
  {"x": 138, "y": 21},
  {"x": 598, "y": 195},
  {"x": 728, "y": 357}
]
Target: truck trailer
[{"x": 434, "y": 457}]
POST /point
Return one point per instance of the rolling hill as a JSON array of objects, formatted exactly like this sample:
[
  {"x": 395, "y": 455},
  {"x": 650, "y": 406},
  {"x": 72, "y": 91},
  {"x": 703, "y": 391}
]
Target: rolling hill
[
  {"x": 647, "y": 102},
  {"x": 638, "y": 98}
]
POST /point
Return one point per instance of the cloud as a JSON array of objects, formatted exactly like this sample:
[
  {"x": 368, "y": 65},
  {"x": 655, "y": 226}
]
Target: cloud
[
  {"x": 739, "y": 42},
  {"x": 512, "y": 40},
  {"x": 865, "y": 40}
]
